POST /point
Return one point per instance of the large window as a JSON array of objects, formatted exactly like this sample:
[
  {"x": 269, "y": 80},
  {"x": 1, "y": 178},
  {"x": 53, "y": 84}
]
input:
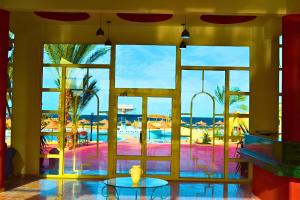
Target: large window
[
  {"x": 74, "y": 122},
  {"x": 280, "y": 86},
  {"x": 9, "y": 93},
  {"x": 145, "y": 66},
  {"x": 215, "y": 94}
]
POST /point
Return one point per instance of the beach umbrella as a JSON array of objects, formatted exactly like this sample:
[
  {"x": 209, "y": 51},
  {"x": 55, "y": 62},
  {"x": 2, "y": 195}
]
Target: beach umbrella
[
  {"x": 52, "y": 125},
  {"x": 127, "y": 122},
  {"x": 219, "y": 123},
  {"x": 201, "y": 123},
  {"x": 83, "y": 121},
  {"x": 103, "y": 121},
  {"x": 156, "y": 116},
  {"x": 136, "y": 124}
]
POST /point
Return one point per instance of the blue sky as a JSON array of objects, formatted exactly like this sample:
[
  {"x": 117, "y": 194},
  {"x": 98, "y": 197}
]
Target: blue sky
[{"x": 150, "y": 66}]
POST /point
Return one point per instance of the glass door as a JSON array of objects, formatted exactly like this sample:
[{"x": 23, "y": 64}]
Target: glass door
[{"x": 144, "y": 134}]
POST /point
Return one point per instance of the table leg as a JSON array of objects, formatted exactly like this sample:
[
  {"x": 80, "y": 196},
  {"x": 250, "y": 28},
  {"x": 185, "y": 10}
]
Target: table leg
[
  {"x": 107, "y": 191},
  {"x": 162, "y": 196}
]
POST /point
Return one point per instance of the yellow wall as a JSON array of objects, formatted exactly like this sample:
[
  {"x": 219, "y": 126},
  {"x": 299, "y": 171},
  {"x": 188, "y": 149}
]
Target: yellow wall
[
  {"x": 30, "y": 35},
  {"x": 264, "y": 80},
  {"x": 26, "y": 101}
]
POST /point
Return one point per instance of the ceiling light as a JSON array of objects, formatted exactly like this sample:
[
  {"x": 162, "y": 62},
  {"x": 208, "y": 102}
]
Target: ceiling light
[
  {"x": 185, "y": 33},
  {"x": 182, "y": 45},
  {"x": 100, "y": 32},
  {"x": 108, "y": 42}
]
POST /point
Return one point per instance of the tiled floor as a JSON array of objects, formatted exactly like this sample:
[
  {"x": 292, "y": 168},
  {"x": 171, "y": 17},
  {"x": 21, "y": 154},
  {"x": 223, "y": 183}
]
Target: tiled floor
[{"x": 31, "y": 189}]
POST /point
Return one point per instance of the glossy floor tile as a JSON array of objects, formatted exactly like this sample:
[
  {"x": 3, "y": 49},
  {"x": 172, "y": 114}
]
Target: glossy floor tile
[{"x": 89, "y": 189}]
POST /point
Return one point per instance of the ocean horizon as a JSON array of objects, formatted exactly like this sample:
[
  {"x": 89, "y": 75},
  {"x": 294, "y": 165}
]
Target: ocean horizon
[{"x": 133, "y": 117}]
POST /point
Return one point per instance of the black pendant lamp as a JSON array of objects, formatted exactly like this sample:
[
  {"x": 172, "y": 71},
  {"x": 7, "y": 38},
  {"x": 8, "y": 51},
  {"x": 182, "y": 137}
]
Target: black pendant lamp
[
  {"x": 185, "y": 33},
  {"x": 108, "y": 42},
  {"x": 100, "y": 32},
  {"x": 182, "y": 45}
]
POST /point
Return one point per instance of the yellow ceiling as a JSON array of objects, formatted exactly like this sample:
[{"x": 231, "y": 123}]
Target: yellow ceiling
[{"x": 244, "y": 7}]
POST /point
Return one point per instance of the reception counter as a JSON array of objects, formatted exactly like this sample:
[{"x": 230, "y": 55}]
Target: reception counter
[{"x": 271, "y": 154}]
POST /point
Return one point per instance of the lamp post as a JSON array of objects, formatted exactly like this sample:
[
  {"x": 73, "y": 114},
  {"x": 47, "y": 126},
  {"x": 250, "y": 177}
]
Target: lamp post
[{"x": 92, "y": 118}]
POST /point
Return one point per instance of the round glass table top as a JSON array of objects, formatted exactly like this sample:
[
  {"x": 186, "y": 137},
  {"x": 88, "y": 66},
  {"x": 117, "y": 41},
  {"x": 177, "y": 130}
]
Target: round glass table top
[{"x": 126, "y": 182}]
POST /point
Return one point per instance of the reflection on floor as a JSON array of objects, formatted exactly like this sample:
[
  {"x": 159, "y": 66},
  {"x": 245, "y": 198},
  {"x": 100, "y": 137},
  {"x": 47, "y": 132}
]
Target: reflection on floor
[{"x": 32, "y": 189}]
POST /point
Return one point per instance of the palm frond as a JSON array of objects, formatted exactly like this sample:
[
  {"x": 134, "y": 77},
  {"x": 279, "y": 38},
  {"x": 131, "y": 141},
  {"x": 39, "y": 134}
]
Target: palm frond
[
  {"x": 96, "y": 55},
  {"x": 220, "y": 94}
]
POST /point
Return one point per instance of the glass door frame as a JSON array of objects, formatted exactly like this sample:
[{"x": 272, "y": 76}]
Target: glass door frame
[
  {"x": 61, "y": 134},
  {"x": 144, "y": 94},
  {"x": 226, "y": 115}
]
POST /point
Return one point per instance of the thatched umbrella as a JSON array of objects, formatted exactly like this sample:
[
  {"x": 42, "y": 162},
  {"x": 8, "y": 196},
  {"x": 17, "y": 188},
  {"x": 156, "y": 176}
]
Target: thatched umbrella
[
  {"x": 219, "y": 123},
  {"x": 103, "y": 121},
  {"x": 127, "y": 122},
  {"x": 53, "y": 125},
  {"x": 83, "y": 122},
  {"x": 201, "y": 123}
]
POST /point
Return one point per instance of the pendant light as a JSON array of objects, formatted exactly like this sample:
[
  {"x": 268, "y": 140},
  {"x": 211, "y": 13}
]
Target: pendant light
[
  {"x": 100, "y": 32},
  {"x": 108, "y": 42},
  {"x": 185, "y": 33},
  {"x": 182, "y": 45}
]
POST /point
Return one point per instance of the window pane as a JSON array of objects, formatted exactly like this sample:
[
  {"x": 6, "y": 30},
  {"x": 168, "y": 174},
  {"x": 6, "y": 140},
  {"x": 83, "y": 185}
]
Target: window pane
[
  {"x": 239, "y": 81},
  {"x": 50, "y": 100},
  {"x": 239, "y": 104},
  {"x": 145, "y": 66},
  {"x": 280, "y": 81},
  {"x": 158, "y": 167},
  {"x": 51, "y": 77},
  {"x": 76, "y": 54},
  {"x": 123, "y": 166},
  {"x": 280, "y": 115},
  {"x": 280, "y": 57},
  {"x": 159, "y": 126},
  {"x": 232, "y": 56}
]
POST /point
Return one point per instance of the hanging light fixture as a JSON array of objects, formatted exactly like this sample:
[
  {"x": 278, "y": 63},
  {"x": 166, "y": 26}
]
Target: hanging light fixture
[
  {"x": 100, "y": 32},
  {"x": 185, "y": 33},
  {"x": 108, "y": 42},
  {"x": 182, "y": 45}
]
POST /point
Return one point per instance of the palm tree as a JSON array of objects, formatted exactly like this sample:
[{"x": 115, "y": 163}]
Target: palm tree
[
  {"x": 75, "y": 100},
  {"x": 74, "y": 53},
  {"x": 233, "y": 100},
  {"x": 80, "y": 99}
]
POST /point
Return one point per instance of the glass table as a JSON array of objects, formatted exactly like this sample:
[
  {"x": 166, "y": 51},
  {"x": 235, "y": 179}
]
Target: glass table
[{"x": 112, "y": 186}]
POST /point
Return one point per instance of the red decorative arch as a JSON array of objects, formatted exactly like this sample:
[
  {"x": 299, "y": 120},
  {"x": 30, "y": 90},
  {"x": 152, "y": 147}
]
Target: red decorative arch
[
  {"x": 133, "y": 17},
  {"x": 64, "y": 16},
  {"x": 226, "y": 19}
]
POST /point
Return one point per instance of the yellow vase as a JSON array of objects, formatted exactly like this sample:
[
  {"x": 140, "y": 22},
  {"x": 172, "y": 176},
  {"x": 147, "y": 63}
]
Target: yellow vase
[{"x": 136, "y": 173}]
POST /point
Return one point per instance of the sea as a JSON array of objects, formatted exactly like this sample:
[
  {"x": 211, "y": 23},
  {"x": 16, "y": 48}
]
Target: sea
[{"x": 132, "y": 118}]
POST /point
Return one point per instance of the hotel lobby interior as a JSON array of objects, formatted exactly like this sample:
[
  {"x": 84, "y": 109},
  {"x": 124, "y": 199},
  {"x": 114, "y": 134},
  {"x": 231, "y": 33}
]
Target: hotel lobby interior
[{"x": 150, "y": 99}]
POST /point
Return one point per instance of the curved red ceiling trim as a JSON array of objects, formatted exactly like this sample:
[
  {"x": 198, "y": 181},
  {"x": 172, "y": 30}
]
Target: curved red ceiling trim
[
  {"x": 144, "y": 17},
  {"x": 226, "y": 19},
  {"x": 64, "y": 16}
]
